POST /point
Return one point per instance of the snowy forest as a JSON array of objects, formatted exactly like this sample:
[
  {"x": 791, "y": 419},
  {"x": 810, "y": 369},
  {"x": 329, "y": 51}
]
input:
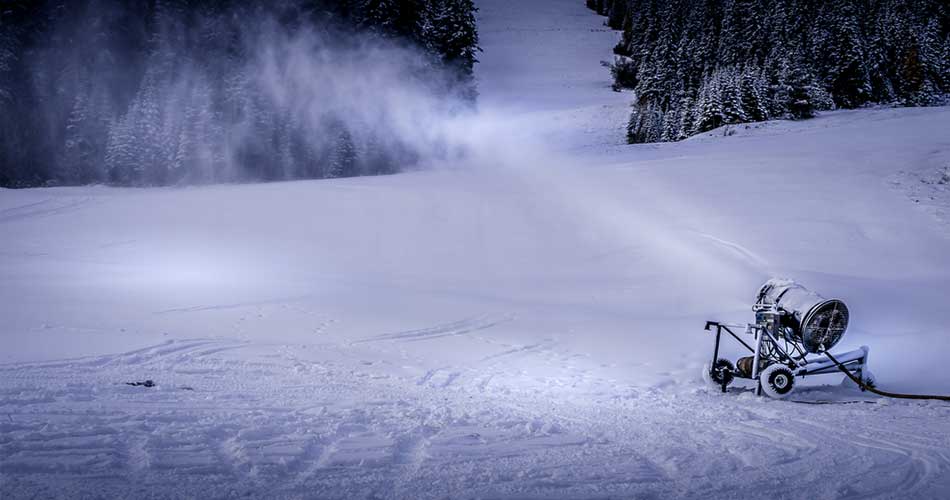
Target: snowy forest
[
  {"x": 697, "y": 65},
  {"x": 165, "y": 92}
]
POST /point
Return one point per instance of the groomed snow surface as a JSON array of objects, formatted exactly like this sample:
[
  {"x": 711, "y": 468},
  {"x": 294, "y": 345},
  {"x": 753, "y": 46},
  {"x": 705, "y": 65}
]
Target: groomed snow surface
[{"x": 526, "y": 323}]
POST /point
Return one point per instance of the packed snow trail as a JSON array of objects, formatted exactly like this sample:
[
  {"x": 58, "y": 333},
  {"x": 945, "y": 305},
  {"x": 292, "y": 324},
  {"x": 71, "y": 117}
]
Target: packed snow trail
[
  {"x": 271, "y": 424},
  {"x": 524, "y": 325}
]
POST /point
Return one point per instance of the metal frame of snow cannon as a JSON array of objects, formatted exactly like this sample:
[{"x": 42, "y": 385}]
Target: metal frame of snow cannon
[
  {"x": 783, "y": 339},
  {"x": 855, "y": 360}
]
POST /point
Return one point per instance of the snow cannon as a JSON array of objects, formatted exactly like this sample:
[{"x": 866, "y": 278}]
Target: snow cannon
[
  {"x": 793, "y": 331},
  {"x": 808, "y": 319}
]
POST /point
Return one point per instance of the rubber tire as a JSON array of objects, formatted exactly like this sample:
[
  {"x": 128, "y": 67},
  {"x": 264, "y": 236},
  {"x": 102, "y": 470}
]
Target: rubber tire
[
  {"x": 712, "y": 381},
  {"x": 777, "y": 381}
]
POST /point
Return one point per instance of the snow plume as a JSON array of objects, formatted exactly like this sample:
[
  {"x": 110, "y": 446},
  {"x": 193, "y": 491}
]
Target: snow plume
[
  {"x": 525, "y": 156},
  {"x": 243, "y": 93},
  {"x": 302, "y": 106},
  {"x": 386, "y": 100}
]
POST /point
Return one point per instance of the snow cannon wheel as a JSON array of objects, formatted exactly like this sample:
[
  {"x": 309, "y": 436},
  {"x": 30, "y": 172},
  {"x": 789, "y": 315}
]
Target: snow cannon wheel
[
  {"x": 777, "y": 381},
  {"x": 719, "y": 375}
]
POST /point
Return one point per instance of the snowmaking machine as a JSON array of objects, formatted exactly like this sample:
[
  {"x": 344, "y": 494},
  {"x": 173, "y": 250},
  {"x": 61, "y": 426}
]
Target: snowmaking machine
[{"x": 793, "y": 331}]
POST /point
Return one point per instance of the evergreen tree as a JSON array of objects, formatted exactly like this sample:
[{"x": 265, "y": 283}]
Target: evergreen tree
[
  {"x": 8, "y": 57},
  {"x": 734, "y": 44},
  {"x": 671, "y": 124},
  {"x": 753, "y": 94},
  {"x": 687, "y": 126},
  {"x": 749, "y": 60},
  {"x": 915, "y": 87},
  {"x": 617, "y": 13},
  {"x": 74, "y": 158},
  {"x": 381, "y": 15},
  {"x": 343, "y": 160},
  {"x": 798, "y": 91},
  {"x": 448, "y": 28},
  {"x": 847, "y": 76},
  {"x": 945, "y": 67},
  {"x": 929, "y": 54},
  {"x": 730, "y": 94},
  {"x": 120, "y": 157},
  {"x": 646, "y": 123},
  {"x": 708, "y": 113}
]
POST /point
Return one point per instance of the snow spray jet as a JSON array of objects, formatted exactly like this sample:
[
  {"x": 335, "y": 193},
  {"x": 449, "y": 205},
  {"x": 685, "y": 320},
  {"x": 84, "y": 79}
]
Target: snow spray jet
[
  {"x": 384, "y": 104},
  {"x": 650, "y": 217}
]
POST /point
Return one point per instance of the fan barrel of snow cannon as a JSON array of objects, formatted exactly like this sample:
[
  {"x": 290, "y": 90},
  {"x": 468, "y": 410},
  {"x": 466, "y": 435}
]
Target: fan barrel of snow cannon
[{"x": 814, "y": 322}]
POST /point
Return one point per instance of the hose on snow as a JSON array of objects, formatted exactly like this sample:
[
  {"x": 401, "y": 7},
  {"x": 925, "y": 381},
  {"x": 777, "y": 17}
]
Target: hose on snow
[{"x": 870, "y": 388}]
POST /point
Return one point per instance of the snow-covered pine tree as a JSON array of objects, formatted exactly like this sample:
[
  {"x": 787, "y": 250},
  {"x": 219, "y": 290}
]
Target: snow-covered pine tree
[
  {"x": 847, "y": 75},
  {"x": 880, "y": 57},
  {"x": 379, "y": 15},
  {"x": 801, "y": 56},
  {"x": 753, "y": 92},
  {"x": 122, "y": 163},
  {"x": 915, "y": 89},
  {"x": 687, "y": 114},
  {"x": 8, "y": 56},
  {"x": 448, "y": 28},
  {"x": 731, "y": 96},
  {"x": 71, "y": 161},
  {"x": 615, "y": 10},
  {"x": 343, "y": 157},
  {"x": 798, "y": 82},
  {"x": 198, "y": 141},
  {"x": 930, "y": 52},
  {"x": 149, "y": 164},
  {"x": 8, "y": 139},
  {"x": 945, "y": 68},
  {"x": 776, "y": 88},
  {"x": 646, "y": 123},
  {"x": 671, "y": 124},
  {"x": 284, "y": 156},
  {"x": 708, "y": 113},
  {"x": 738, "y": 22}
]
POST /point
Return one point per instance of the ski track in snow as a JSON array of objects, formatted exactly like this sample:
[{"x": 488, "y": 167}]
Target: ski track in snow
[
  {"x": 269, "y": 425},
  {"x": 44, "y": 208},
  {"x": 452, "y": 329}
]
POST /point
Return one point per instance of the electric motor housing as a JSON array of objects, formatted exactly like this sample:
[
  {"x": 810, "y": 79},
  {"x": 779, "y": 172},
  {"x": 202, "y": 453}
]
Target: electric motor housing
[{"x": 814, "y": 322}]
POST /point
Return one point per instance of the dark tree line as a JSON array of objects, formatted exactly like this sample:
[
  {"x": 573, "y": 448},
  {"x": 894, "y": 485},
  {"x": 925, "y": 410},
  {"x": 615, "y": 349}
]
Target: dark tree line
[
  {"x": 698, "y": 64},
  {"x": 160, "y": 92}
]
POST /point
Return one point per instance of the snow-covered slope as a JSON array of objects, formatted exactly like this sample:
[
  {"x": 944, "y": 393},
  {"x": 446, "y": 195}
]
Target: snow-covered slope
[{"x": 527, "y": 323}]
